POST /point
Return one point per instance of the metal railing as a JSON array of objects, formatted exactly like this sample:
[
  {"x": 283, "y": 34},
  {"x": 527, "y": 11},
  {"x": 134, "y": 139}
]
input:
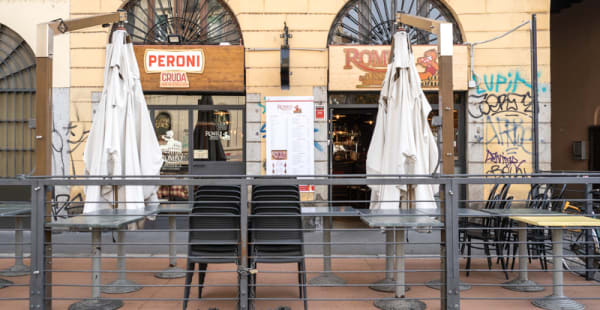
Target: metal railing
[{"x": 461, "y": 253}]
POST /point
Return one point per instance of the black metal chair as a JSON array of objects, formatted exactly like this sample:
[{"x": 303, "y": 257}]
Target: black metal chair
[
  {"x": 277, "y": 237},
  {"x": 493, "y": 232},
  {"x": 214, "y": 237}
]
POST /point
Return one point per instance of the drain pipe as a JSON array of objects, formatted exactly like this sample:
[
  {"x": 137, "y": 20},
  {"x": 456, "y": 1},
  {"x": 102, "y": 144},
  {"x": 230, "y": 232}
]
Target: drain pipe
[{"x": 534, "y": 95}]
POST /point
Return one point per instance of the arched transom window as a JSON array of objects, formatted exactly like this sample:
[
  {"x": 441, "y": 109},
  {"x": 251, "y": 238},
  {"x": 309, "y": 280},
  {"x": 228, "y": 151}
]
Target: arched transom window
[{"x": 370, "y": 22}]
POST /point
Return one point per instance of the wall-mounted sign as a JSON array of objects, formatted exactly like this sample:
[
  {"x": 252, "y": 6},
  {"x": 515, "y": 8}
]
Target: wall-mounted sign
[
  {"x": 362, "y": 67},
  {"x": 156, "y": 60},
  {"x": 290, "y": 136},
  {"x": 198, "y": 68}
]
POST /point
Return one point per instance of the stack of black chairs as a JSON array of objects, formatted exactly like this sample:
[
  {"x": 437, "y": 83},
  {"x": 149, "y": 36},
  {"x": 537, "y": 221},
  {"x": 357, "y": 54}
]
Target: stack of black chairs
[
  {"x": 276, "y": 231},
  {"x": 214, "y": 235}
]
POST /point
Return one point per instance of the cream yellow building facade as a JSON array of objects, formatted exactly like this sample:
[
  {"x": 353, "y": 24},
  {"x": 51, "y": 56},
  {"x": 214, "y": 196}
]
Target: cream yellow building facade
[{"x": 498, "y": 118}]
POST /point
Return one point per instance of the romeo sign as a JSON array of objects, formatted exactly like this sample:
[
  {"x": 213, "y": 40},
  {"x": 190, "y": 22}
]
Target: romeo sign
[
  {"x": 193, "y": 67},
  {"x": 363, "y": 67}
]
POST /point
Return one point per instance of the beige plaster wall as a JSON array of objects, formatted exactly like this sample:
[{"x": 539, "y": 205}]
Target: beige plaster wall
[
  {"x": 22, "y": 16},
  {"x": 502, "y": 67}
]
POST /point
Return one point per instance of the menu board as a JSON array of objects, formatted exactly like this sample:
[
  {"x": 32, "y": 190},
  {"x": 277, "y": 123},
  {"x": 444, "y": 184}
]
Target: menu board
[{"x": 290, "y": 135}]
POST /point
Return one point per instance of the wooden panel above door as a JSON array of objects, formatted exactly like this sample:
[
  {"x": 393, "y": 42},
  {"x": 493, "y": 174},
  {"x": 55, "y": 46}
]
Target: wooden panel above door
[{"x": 198, "y": 68}]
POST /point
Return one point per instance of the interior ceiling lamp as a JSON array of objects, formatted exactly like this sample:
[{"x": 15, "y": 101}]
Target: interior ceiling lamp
[{"x": 285, "y": 59}]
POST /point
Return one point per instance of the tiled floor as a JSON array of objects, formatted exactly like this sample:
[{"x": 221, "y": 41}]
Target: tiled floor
[{"x": 149, "y": 297}]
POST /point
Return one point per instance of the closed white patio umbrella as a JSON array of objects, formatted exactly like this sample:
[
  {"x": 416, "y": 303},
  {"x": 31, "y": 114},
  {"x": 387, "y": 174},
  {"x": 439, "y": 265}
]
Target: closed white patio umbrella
[
  {"x": 402, "y": 140},
  {"x": 121, "y": 142},
  {"x": 122, "y": 139}
]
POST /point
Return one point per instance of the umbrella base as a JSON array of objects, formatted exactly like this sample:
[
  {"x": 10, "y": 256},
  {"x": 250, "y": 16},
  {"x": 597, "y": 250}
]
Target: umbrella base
[
  {"x": 96, "y": 304},
  {"x": 519, "y": 285},
  {"x": 121, "y": 287},
  {"x": 400, "y": 304},
  {"x": 386, "y": 285},
  {"x": 16, "y": 271},
  {"x": 170, "y": 273},
  {"x": 557, "y": 302},
  {"x": 4, "y": 283},
  {"x": 327, "y": 279},
  {"x": 436, "y": 285}
]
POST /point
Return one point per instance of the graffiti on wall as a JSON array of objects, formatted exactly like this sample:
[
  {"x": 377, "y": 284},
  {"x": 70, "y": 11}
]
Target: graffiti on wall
[
  {"x": 501, "y": 163},
  {"x": 502, "y": 102}
]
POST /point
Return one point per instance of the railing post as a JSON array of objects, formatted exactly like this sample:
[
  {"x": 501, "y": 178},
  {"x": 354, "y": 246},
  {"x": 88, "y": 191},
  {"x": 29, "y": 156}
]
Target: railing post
[
  {"x": 589, "y": 250},
  {"x": 450, "y": 278},
  {"x": 243, "y": 246},
  {"x": 37, "y": 283}
]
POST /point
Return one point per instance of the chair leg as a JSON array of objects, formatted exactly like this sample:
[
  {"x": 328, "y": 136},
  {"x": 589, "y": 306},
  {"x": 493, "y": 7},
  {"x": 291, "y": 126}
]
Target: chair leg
[
  {"x": 486, "y": 249},
  {"x": 302, "y": 268},
  {"x": 515, "y": 250},
  {"x": 503, "y": 263},
  {"x": 300, "y": 279},
  {"x": 188, "y": 281},
  {"x": 201, "y": 276},
  {"x": 468, "y": 267}
]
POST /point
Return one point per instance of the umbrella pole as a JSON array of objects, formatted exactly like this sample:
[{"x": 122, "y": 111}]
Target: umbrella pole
[{"x": 121, "y": 285}]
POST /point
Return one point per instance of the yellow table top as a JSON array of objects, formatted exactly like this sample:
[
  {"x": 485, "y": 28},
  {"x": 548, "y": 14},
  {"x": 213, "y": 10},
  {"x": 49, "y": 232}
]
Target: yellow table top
[{"x": 558, "y": 221}]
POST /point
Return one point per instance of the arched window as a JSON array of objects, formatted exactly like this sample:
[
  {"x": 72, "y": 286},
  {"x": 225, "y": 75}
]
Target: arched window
[
  {"x": 17, "y": 104},
  {"x": 370, "y": 22},
  {"x": 197, "y": 22}
]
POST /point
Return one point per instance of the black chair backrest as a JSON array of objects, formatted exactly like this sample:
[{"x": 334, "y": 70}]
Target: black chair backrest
[
  {"x": 215, "y": 230},
  {"x": 262, "y": 193},
  {"x": 216, "y": 192},
  {"x": 201, "y": 198},
  {"x": 488, "y": 203},
  {"x": 276, "y": 187},
  {"x": 272, "y": 226},
  {"x": 275, "y": 198}
]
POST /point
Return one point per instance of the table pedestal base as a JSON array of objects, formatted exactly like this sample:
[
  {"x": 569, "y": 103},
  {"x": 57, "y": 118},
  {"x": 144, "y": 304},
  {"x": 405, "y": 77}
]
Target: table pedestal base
[
  {"x": 327, "y": 279},
  {"x": 96, "y": 304},
  {"x": 386, "y": 285},
  {"x": 4, "y": 283},
  {"x": 400, "y": 304},
  {"x": 121, "y": 286},
  {"x": 519, "y": 285},
  {"x": 557, "y": 302},
  {"x": 171, "y": 273},
  {"x": 17, "y": 270},
  {"x": 437, "y": 284}
]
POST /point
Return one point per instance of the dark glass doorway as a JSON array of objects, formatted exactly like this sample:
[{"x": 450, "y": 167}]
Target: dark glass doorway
[
  {"x": 351, "y": 122},
  {"x": 351, "y": 129}
]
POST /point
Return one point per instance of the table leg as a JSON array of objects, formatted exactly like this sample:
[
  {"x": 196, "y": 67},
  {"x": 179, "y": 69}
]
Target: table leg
[
  {"x": 95, "y": 302},
  {"x": 121, "y": 285},
  {"x": 387, "y": 284},
  {"x": 172, "y": 272},
  {"x": 400, "y": 288},
  {"x": 19, "y": 268},
  {"x": 557, "y": 300},
  {"x": 522, "y": 283},
  {"x": 327, "y": 277}
]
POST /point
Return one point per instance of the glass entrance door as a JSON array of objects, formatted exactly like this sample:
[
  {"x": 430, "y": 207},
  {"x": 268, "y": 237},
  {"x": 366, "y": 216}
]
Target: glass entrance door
[{"x": 200, "y": 135}]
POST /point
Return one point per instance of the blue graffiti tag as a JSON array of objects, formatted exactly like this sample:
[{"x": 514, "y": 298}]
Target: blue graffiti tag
[
  {"x": 511, "y": 132},
  {"x": 506, "y": 83}
]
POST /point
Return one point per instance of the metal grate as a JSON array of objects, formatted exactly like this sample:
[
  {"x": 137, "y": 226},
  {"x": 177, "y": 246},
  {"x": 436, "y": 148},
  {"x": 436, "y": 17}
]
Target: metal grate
[
  {"x": 17, "y": 102},
  {"x": 370, "y": 22},
  {"x": 203, "y": 22}
]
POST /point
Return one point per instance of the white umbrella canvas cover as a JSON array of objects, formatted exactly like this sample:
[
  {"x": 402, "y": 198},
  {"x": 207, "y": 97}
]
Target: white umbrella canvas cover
[
  {"x": 122, "y": 139},
  {"x": 402, "y": 140}
]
